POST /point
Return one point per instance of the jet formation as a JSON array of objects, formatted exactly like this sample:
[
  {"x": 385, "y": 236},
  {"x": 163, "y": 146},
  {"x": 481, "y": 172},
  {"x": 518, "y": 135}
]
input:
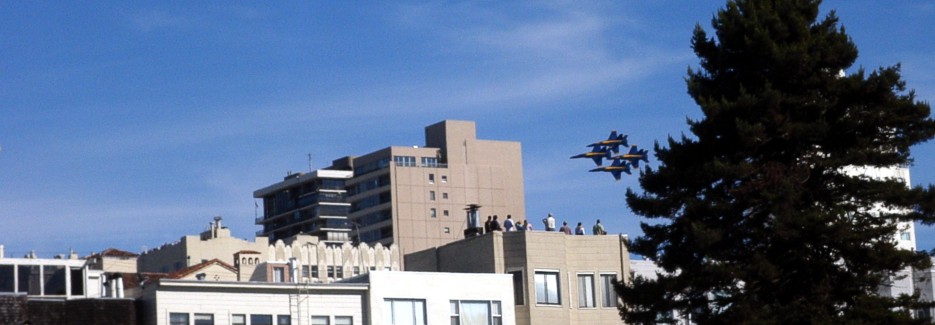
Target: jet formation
[{"x": 620, "y": 163}]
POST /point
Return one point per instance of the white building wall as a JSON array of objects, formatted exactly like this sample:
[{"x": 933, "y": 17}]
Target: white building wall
[
  {"x": 438, "y": 289},
  {"x": 905, "y": 236},
  {"x": 225, "y": 300}
]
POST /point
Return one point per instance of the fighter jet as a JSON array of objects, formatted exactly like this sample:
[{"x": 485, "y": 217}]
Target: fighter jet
[
  {"x": 617, "y": 167},
  {"x": 597, "y": 154},
  {"x": 634, "y": 156},
  {"x": 613, "y": 142}
]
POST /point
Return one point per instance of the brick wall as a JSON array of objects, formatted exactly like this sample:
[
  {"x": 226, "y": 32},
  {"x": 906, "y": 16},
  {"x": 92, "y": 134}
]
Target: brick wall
[
  {"x": 17, "y": 309},
  {"x": 12, "y": 309}
]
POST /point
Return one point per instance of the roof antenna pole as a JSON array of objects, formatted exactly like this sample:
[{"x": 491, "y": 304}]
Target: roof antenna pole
[{"x": 309, "y": 162}]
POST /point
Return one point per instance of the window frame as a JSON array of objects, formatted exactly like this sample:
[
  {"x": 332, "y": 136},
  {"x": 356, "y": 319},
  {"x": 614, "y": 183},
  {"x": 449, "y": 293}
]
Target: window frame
[
  {"x": 494, "y": 310},
  {"x": 549, "y": 293},
  {"x": 519, "y": 294},
  {"x": 389, "y": 311},
  {"x": 327, "y": 319},
  {"x": 605, "y": 294},
  {"x": 243, "y": 319},
  {"x": 586, "y": 294},
  {"x": 350, "y": 319},
  {"x": 188, "y": 318},
  {"x": 197, "y": 315}
]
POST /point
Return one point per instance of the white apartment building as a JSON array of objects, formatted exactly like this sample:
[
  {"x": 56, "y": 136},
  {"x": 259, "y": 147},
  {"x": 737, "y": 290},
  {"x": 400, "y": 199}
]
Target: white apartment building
[{"x": 380, "y": 297}]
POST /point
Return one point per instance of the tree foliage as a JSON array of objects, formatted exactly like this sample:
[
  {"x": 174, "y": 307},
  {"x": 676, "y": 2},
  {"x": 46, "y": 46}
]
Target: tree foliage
[{"x": 755, "y": 218}]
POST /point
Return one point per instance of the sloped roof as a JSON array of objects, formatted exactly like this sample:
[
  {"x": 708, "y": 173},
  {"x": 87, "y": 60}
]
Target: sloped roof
[
  {"x": 113, "y": 252},
  {"x": 198, "y": 267}
]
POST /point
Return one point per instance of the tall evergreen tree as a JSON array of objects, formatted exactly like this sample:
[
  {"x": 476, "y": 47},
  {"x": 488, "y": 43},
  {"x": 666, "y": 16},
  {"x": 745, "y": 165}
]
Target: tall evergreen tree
[{"x": 754, "y": 218}]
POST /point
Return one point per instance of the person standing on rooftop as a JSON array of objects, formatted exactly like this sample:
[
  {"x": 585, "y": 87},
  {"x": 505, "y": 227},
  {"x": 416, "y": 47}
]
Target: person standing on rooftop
[{"x": 565, "y": 228}]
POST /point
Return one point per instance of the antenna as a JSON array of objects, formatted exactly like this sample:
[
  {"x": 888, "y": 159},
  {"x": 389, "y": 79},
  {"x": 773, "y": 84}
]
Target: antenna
[{"x": 309, "y": 162}]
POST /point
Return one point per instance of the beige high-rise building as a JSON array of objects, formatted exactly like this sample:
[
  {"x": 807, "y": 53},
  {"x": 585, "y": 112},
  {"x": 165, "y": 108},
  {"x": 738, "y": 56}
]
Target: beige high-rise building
[{"x": 415, "y": 197}]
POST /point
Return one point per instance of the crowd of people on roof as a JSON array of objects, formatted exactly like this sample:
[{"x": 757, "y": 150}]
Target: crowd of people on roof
[{"x": 493, "y": 224}]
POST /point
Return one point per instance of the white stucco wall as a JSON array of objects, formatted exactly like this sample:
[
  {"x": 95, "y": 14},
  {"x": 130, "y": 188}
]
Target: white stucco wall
[
  {"x": 438, "y": 289},
  {"x": 225, "y": 299}
]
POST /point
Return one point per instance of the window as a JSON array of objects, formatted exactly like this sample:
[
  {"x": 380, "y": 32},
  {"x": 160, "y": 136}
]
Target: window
[
  {"x": 433, "y": 213},
  {"x": 330, "y": 271},
  {"x": 431, "y": 178},
  {"x": 446, "y": 230},
  {"x": 357, "y": 270},
  {"x": 445, "y": 195},
  {"x": 339, "y": 271},
  {"x": 404, "y": 311},
  {"x": 261, "y": 319},
  {"x": 305, "y": 271},
  {"x": 904, "y": 235},
  {"x": 204, "y": 319},
  {"x": 586, "y": 291},
  {"x": 466, "y": 312},
  {"x": 429, "y": 162},
  {"x": 238, "y": 319},
  {"x": 343, "y": 320},
  {"x": 283, "y": 320},
  {"x": 608, "y": 295},
  {"x": 315, "y": 271},
  {"x": 444, "y": 179},
  {"x": 7, "y": 279},
  {"x": 547, "y": 290},
  {"x": 519, "y": 297},
  {"x": 431, "y": 195},
  {"x": 445, "y": 213},
  {"x": 405, "y": 161},
  {"x": 279, "y": 274},
  {"x": 178, "y": 319},
  {"x": 320, "y": 320}
]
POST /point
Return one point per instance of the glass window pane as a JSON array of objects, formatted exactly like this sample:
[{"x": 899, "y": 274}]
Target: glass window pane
[
  {"x": 343, "y": 320},
  {"x": 404, "y": 312},
  {"x": 178, "y": 319},
  {"x": 319, "y": 320},
  {"x": 204, "y": 319},
  {"x": 475, "y": 313},
  {"x": 547, "y": 288},
  {"x": 608, "y": 296},
  {"x": 53, "y": 277},
  {"x": 283, "y": 320},
  {"x": 6, "y": 278},
  {"x": 238, "y": 319},
  {"x": 261, "y": 319},
  {"x": 585, "y": 290}
]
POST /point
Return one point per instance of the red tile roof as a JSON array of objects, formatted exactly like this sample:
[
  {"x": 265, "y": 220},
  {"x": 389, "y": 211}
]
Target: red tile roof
[{"x": 195, "y": 268}]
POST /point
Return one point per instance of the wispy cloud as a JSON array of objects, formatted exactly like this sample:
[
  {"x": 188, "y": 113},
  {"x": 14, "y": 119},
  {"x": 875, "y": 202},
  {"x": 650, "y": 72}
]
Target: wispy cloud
[{"x": 150, "y": 20}]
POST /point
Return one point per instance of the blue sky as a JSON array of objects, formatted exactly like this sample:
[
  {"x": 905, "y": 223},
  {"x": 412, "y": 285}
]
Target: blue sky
[{"x": 131, "y": 124}]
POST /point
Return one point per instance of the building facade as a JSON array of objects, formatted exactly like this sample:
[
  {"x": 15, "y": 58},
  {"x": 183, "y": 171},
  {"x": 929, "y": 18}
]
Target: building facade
[
  {"x": 413, "y": 197},
  {"x": 381, "y": 297},
  {"x": 47, "y": 278},
  {"x": 556, "y": 278},
  {"x": 215, "y": 242},
  {"x": 312, "y": 203},
  {"x": 924, "y": 282}
]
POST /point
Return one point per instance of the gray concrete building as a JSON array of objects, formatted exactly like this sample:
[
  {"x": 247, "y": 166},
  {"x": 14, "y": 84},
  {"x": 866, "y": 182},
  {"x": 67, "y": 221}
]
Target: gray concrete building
[{"x": 312, "y": 203}]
